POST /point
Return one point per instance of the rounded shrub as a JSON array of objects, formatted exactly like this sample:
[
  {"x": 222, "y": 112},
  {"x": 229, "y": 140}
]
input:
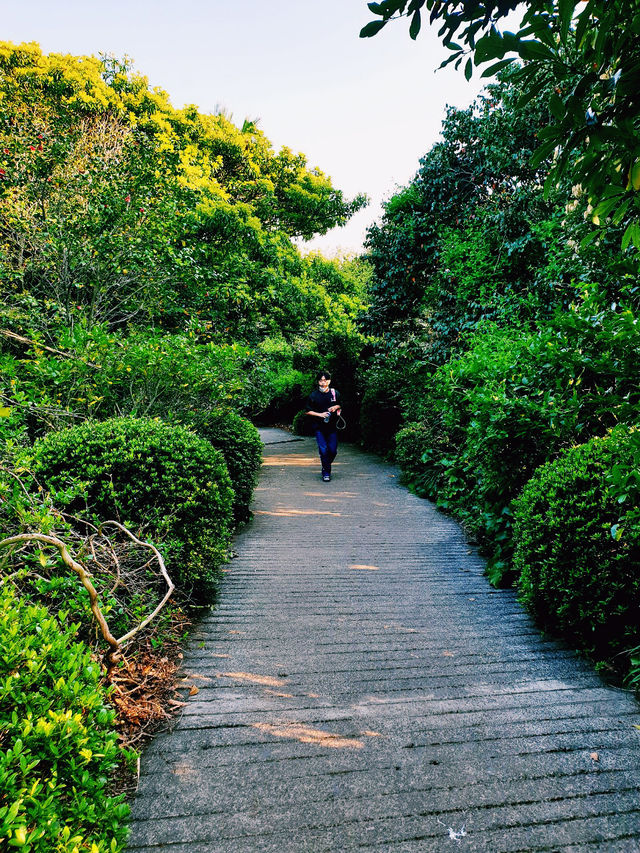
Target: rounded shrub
[
  {"x": 239, "y": 442},
  {"x": 60, "y": 747},
  {"x": 301, "y": 424},
  {"x": 162, "y": 479},
  {"x": 578, "y": 547}
]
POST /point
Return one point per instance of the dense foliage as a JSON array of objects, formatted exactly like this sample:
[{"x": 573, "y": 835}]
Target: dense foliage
[
  {"x": 59, "y": 747},
  {"x": 144, "y": 241},
  {"x": 150, "y": 279},
  {"x": 588, "y": 54},
  {"x": 578, "y": 559}
]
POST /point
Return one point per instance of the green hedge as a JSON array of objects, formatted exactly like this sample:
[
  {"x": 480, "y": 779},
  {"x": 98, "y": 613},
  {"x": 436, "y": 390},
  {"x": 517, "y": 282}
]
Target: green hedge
[
  {"x": 59, "y": 745},
  {"x": 577, "y": 534},
  {"x": 150, "y": 475},
  {"x": 486, "y": 420},
  {"x": 417, "y": 450},
  {"x": 239, "y": 442}
]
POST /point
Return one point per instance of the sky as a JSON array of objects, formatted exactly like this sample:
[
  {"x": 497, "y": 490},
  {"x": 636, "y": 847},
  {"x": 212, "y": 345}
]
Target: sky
[{"x": 362, "y": 110}]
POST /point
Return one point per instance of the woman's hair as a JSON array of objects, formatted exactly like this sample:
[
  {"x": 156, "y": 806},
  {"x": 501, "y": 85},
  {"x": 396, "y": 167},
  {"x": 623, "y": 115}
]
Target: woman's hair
[{"x": 322, "y": 373}]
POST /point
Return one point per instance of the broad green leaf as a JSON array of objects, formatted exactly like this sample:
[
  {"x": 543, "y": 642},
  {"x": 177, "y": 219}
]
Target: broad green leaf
[
  {"x": 414, "y": 28},
  {"x": 5, "y": 412},
  {"x": 593, "y": 235},
  {"x": 468, "y": 69},
  {"x": 496, "y": 67},
  {"x": 565, "y": 9},
  {"x": 490, "y": 46},
  {"x": 621, "y": 212},
  {"x": 556, "y": 105},
  {"x": 605, "y": 207},
  {"x": 634, "y": 175},
  {"x": 371, "y": 29},
  {"x": 539, "y": 26},
  {"x": 583, "y": 21},
  {"x": 542, "y": 152},
  {"x": 536, "y": 51},
  {"x": 631, "y": 235}
]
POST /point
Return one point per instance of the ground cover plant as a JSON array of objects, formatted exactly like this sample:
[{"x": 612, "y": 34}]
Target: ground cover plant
[{"x": 59, "y": 744}]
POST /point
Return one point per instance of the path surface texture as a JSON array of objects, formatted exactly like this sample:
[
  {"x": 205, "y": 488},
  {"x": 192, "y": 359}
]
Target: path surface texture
[{"x": 360, "y": 686}]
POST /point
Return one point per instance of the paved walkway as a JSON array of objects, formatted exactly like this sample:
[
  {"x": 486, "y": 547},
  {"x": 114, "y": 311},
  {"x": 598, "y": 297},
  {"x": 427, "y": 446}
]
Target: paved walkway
[{"x": 361, "y": 687}]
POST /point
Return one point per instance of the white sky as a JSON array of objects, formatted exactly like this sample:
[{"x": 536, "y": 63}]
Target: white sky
[{"x": 362, "y": 110}]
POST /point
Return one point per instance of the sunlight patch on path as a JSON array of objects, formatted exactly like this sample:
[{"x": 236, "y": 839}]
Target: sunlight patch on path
[
  {"x": 264, "y": 680},
  {"x": 304, "y": 734},
  {"x": 291, "y": 512}
]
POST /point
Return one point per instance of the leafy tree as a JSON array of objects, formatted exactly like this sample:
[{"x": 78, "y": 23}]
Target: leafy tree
[
  {"x": 117, "y": 206},
  {"x": 476, "y": 186},
  {"x": 589, "y": 52}
]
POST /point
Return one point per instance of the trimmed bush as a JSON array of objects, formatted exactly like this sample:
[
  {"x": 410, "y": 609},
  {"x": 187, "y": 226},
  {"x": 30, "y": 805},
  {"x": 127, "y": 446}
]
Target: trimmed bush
[
  {"x": 59, "y": 745},
  {"x": 578, "y": 547},
  {"x": 239, "y": 442},
  {"x": 163, "y": 479}
]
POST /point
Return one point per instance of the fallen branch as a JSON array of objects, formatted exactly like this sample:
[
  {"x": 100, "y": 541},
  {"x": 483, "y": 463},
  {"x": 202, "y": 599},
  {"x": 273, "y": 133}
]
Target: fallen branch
[
  {"x": 115, "y": 645},
  {"x": 76, "y": 567},
  {"x": 163, "y": 570}
]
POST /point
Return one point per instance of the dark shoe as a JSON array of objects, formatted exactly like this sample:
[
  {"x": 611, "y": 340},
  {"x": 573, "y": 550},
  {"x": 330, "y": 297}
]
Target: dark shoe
[{"x": 326, "y": 477}]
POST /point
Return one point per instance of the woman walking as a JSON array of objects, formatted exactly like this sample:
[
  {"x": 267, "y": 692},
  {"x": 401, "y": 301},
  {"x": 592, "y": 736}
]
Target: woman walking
[{"x": 323, "y": 405}]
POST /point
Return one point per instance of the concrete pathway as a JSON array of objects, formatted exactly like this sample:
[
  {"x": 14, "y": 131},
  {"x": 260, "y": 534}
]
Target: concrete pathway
[{"x": 360, "y": 686}]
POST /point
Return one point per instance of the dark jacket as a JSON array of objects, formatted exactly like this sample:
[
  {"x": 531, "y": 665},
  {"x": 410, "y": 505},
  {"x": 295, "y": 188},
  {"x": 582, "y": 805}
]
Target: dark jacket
[{"x": 319, "y": 401}]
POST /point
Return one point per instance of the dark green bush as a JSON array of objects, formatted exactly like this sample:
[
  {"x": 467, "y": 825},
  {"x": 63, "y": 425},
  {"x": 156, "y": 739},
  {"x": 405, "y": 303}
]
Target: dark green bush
[
  {"x": 301, "y": 424},
  {"x": 163, "y": 479},
  {"x": 380, "y": 418},
  {"x": 578, "y": 545},
  {"x": 513, "y": 401},
  {"x": 239, "y": 442},
  {"x": 416, "y": 451},
  {"x": 59, "y": 745}
]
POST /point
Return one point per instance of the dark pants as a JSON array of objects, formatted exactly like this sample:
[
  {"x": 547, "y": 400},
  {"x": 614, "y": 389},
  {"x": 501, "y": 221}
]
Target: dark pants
[{"x": 328, "y": 447}]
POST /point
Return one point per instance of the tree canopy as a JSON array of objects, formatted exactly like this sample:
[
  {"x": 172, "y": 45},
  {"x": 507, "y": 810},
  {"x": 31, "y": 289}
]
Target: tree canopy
[{"x": 589, "y": 52}]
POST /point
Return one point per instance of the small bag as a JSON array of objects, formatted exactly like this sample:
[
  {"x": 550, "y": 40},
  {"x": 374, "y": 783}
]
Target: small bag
[{"x": 340, "y": 423}]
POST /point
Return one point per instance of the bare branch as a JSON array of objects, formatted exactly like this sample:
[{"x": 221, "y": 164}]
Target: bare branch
[
  {"x": 12, "y": 336},
  {"x": 76, "y": 567},
  {"x": 165, "y": 575}
]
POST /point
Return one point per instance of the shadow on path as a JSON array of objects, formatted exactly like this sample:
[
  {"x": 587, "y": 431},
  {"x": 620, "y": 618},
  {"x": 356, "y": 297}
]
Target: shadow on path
[{"x": 361, "y": 686}]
